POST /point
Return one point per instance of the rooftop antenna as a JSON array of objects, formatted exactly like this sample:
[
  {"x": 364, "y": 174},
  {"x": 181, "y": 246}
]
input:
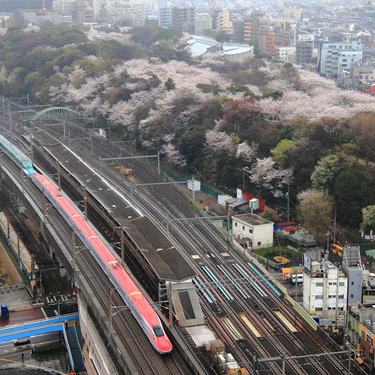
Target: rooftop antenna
[{"x": 43, "y": 4}]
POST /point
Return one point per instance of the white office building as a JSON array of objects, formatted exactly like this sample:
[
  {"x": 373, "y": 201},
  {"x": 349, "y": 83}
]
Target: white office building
[
  {"x": 336, "y": 57},
  {"x": 287, "y": 54},
  {"x": 258, "y": 230},
  {"x": 325, "y": 293}
]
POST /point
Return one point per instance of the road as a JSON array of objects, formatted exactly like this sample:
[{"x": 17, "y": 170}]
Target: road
[{"x": 8, "y": 351}]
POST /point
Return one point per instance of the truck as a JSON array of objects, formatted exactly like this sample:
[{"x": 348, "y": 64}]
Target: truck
[{"x": 4, "y": 312}]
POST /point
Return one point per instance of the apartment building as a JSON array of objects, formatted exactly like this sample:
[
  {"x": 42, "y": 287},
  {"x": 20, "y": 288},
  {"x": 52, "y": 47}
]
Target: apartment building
[
  {"x": 336, "y": 57},
  {"x": 183, "y": 19},
  {"x": 325, "y": 291}
]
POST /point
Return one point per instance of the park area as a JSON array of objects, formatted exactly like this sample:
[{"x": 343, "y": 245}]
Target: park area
[{"x": 278, "y": 257}]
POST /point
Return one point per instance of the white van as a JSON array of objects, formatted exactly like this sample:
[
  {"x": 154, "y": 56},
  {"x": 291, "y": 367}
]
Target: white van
[{"x": 297, "y": 278}]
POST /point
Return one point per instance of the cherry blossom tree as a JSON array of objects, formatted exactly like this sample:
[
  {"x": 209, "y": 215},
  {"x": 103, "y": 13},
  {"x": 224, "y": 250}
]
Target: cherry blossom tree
[
  {"x": 266, "y": 177},
  {"x": 247, "y": 153},
  {"x": 219, "y": 141},
  {"x": 172, "y": 155}
]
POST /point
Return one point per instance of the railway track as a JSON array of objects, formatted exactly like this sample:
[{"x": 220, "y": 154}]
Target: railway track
[
  {"x": 125, "y": 326},
  {"x": 148, "y": 361},
  {"x": 300, "y": 347},
  {"x": 202, "y": 231}
]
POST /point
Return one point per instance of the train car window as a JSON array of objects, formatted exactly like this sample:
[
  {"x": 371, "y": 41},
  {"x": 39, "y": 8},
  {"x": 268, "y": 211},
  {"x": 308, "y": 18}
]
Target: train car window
[{"x": 158, "y": 331}]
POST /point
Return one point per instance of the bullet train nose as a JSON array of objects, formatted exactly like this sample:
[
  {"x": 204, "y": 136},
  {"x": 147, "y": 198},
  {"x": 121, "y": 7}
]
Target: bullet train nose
[{"x": 164, "y": 345}]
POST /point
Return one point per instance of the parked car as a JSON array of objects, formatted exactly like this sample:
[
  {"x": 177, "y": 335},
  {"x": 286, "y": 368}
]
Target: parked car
[{"x": 21, "y": 342}]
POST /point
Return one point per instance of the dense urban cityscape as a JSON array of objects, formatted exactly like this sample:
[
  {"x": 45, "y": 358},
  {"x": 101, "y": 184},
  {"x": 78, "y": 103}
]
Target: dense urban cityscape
[{"x": 187, "y": 187}]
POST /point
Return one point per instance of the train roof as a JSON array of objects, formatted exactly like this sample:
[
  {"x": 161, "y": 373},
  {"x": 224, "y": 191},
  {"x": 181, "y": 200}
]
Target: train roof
[{"x": 103, "y": 250}]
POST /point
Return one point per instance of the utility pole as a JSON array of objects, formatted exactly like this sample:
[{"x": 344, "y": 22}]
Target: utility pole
[
  {"x": 170, "y": 304},
  {"x": 10, "y": 118},
  {"x": 350, "y": 363},
  {"x": 159, "y": 163},
  {"x": 122, "y": 243},
  {"x": 59, "y": 175},
  {"x": 110, "y": 316},
  {"x": 85, "y": 201},
  {"x": 91, "y": 145},
  {"x": 288, "y": 204},
  {"x": 334, "y": 227},
  {"x": 193, "y": 190}
]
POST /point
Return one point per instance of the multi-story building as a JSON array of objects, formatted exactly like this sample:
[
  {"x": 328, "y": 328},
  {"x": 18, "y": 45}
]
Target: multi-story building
[
  {"x": 336, "y": 57},
  {"x": 360, "y": 332},
  {"x": 352, "y": 267},
  {"x": 325, "y": 292},
  {"x": 304, "y": 49},
  {"x": 223, "y": 21},
  {"x": 287, "y": 54},
  {"x": 165, "y": 17},
  {"x": 258, "y": 230},
  {"x": 64, "y": 7},
  {"x": 202, "y": 21},
  {"x": 183, "y": 19},
  {"x": 83, "y": 12},
  {"x": 255, "y": 30},
  {"x": 39, "y": 18},
  {"x": 247, "y": 31},
  {"x": 238, "y": 31},
  {"x": 270, "y": 44},
  {"x": 362, "y": 76}
]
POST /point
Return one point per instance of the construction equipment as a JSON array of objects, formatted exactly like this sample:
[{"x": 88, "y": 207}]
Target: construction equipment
[
  {"x": 337, "y": 249},
  {"x": 224, "y": 361},
  {"x": 127, "y": 172}
]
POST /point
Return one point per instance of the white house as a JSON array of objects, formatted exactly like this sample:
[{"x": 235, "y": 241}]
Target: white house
[{"x": 255, "y": 228}]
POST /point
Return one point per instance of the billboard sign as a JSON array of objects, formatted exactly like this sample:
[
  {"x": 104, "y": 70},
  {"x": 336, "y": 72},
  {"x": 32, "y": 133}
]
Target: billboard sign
[
  {"x": 307, "y": 262},
  {"x": 194, "y": 185}
]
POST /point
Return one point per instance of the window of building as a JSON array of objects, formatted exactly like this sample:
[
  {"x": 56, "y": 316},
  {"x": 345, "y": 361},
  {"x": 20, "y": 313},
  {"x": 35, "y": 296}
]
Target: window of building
[
  {"x": 341, "y": 283},
  {"x": 351, "y": 296},
  {"x": 318, "y": 297},
  {"x": 243, "y": 227},
  {"x": 318, "y": 284},
  {"x": 250, "y": 230},
  {"x": 235, "y": 224},
  {"x": 352, "y": 283},
  {"x": 318, "y": 309},
  {"x": 259, "y": 243},
  {"x": 341, "y": 296}
]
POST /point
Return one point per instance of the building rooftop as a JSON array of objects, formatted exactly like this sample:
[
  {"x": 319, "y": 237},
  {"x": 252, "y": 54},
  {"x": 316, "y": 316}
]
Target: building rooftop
[
  {"x": 199, "y": 45},
  {"x": 252, "y": 219}
]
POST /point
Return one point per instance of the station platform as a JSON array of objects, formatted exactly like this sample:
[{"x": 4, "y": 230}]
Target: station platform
[
  {"x": 186, "y": 304},
  {"x": 159, "y": 253}
]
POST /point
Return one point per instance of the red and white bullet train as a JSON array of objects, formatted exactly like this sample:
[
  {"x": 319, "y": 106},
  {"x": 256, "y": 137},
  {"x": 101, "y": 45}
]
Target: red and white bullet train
[{"x": 141, "y": 309}]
